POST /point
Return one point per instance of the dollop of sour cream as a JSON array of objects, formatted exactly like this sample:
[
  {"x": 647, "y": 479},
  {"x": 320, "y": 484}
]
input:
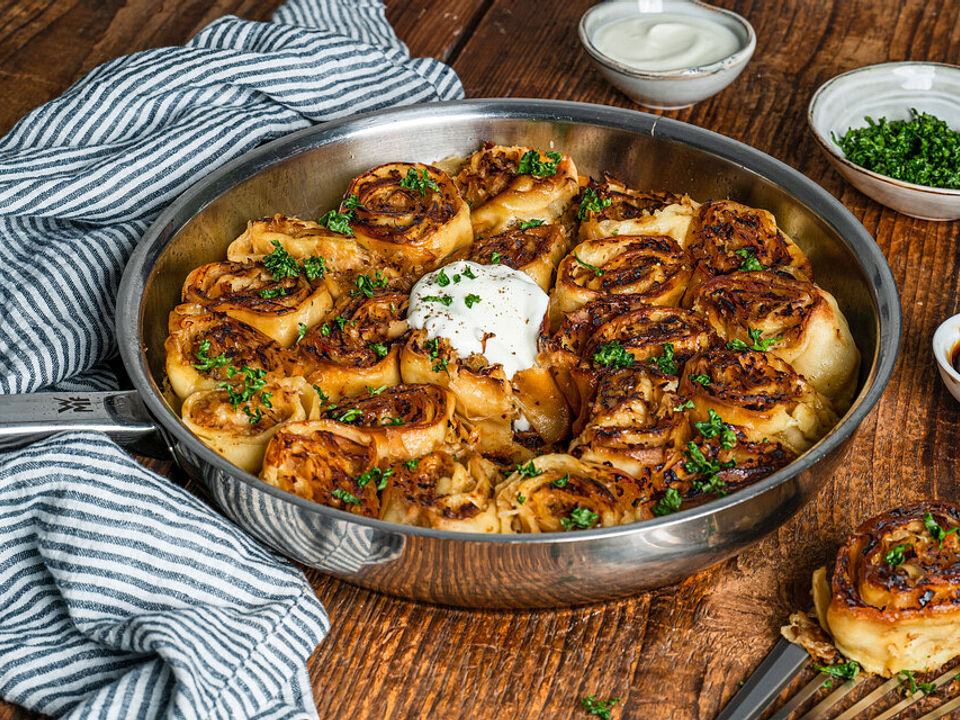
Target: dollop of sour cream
[
  {"x": 493, "y": 310},
  {"x": 665, "y": 41}
]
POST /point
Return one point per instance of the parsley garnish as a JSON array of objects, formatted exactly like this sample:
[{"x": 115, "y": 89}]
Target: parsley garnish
[
  {"x": 393, "y": 421},
  {"x": 255, "y": 417},
  {"x": 324, "y": 399},
  {"x": 520, "y": 499},
  {"x": 301, "y": 331},
  {"x": 894, "y": 556},
  {"x": 912, "y": 685},
  {"x": 314, "y": 267},
  {"x": 353, "y": 202},
  {"x": 596, "y": 271},
  {"x": 324, "y": 329},
  {"x": 613, "y": 353},
  {"x": 531, "y": 164},
  {"x": 701, "y": 378},
  {"x": 348, "y": 416},
  {"x": 374, "y": 473},
  {"x": 494, "y": 258},
  {"x": 665, "y": 362},
  {"x": 337, "y": 222},
  {"x": 591, "y": 202},
  {"x": 253, "y": 381},
  {"x": 442, "y": 279},
  {"x": 376, "y": 390},
  {"x": 843, "y": 671},
  {"x": 529, "y": 470},
  {"x": 439, "y": 363},
  {"x": 750, "y": 261},
  {"x": 273, "y": 293},
  {"x": 669, "y": 503},
  {"x": 340, "y": 320},
  {"x": 758, "y": 344},
  {"x": 715, "y": 426},
  {"x": 444, "y": 299},
  {"x": 420, "y": 181},
  {"x": 937, "y": 532},
  {"x": 921, "y": 150},
  {"x": 580, "y": 517},
  {"x": 469, "y": 273},
  {"x": 532, "y": 223},
  {"x": 208, "y": 363},
  {"x": 345, "y": 497},
  {"x": 684, "y": 406},
  {"x": 412, "y": 464},
  {"x": 600, "y": 708},
  {"x": 697, "y": 463},
  {"x": 279, "y": 263},
  {"x": 561, "y": 482},
  {"x": 471, "y": 300},
  {"x": 366, "y": 286}
]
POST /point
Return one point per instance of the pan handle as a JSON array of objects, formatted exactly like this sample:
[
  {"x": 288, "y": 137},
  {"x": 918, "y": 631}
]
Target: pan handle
[{"x": 121, "y": 415}]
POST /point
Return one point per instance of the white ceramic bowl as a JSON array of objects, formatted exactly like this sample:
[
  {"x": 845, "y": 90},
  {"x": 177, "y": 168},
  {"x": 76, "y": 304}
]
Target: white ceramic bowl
[
  {"x": 888, "y": 90},
  {"x": 945, "y": 341},
  {"x": 667, "y": 89}
]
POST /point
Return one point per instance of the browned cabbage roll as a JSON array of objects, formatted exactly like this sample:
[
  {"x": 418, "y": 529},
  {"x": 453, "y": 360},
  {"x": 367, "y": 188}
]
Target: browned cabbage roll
[
  {"x": 634, "y": 421},
  {"x": 277, "y": 303},
  {"x": 326, "y": 462},
  {"x": 358, "y": 343},
  {"x": 308, "y": 244},
  {"x": 444, "y": 492},
  {"x": 535, "y": 251},
  {"x": 507, "y": 185},
  {"x": 409, "y": 212},
  {"x": 892, "y": 602},
  {"x": 238, "y": 421},
  {"x": 727, "y": 236},
  {"x": 611, "y": 208},
  {"x": 504, "y": 412},
  {"x": 761, "y": 393},
  {"x": 799, "y": 321},
  {"x": 555, "y": 493},
  {"x": 403, "y": 421},
  {"x": 654, "y": 268},
  {"x": 204, "y": 348}
]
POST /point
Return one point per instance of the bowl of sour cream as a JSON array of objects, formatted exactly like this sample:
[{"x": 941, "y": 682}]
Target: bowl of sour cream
[{"x": 667, "y": 54}]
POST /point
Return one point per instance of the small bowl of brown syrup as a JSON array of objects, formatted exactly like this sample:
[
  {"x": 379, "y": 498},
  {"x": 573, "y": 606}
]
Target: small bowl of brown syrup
[{"x": 946, "y": 349}]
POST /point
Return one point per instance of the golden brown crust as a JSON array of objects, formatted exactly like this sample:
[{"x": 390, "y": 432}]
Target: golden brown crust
[
  {"x": 893, "y": 602},
  {"x": 535, "y": 251},
  {"x": 323, "y": 462},
  {"x": 620, "y": 210},
  {"x": 811, "y": 333},
  {"x": 500, "y": 197},
  {"x": 654, "y": 268},
  {"x": 759, "y": 392},
  {"x": 357, "y": 345},
  {"x": 415, "y": 223}
]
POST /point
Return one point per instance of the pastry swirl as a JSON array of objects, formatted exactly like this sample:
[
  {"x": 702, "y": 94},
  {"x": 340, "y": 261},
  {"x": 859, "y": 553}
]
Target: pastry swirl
[
  {"x": 612, "y": 208},
  {"x": 535, "y": 251},
  {"x": 811, "y": 333},
  {"x": 403, "y": 421},
  {"x": 654, "y": 268},
  {"x": 760, "y": 392},
  {"x": 893, "y": 600},
  {"x": 553, "y": 493},
  {"x": 248, "y": 292},
  {"x": 357, "y": 345},
  {"x": 727, "y": 236},
  {"x": 239, "y": 430},
  {"x": 408, "y": 212},
  {"x": 507, "y": 185},
  {"x": 343, "y": 257},
  {"x": 325, "y": 462},
  {"x": 203, "y": 347},
  {"x": 441, "y": 492}
]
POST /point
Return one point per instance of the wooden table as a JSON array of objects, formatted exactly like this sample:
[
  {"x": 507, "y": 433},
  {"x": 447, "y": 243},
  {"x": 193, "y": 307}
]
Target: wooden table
[{"x": 679, "y": 652}]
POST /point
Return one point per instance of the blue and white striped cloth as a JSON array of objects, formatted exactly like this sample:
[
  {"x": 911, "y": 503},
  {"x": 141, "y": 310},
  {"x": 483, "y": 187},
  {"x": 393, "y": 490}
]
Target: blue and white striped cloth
[{"x": 121, "y": 596}]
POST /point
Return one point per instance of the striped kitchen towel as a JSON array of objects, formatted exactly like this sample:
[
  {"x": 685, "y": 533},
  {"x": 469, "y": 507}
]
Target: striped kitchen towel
[
  {"x": 83, "y": 176},
  {"x": 122, "y": 596}
]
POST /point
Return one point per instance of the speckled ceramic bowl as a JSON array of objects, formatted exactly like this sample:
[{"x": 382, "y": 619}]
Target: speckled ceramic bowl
[
  {"x": 667, "y": 89},
  {"x": 888, "y": 90},
  {"x": 945, "y": 341}
]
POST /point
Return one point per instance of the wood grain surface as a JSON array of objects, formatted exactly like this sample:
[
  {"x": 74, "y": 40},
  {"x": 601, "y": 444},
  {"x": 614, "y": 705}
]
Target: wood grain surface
[{"x": 679, "y": 652}]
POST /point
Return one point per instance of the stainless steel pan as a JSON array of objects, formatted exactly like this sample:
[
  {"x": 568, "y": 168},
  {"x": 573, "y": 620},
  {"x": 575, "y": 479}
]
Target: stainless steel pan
[{"x": 305, "y": 173}]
